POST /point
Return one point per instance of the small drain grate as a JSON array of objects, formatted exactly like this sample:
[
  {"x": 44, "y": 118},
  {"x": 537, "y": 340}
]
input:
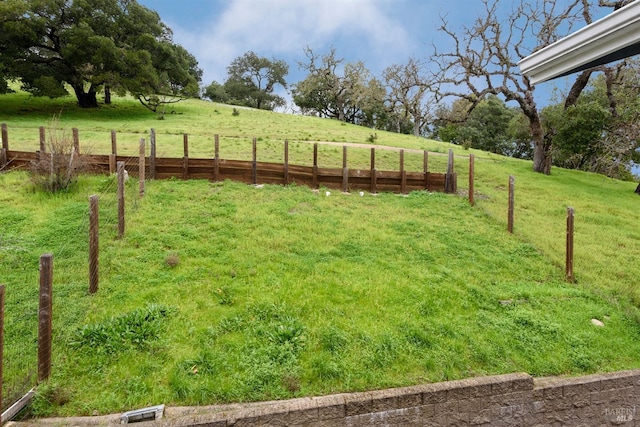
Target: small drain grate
[{"x": 144, "y": 414}]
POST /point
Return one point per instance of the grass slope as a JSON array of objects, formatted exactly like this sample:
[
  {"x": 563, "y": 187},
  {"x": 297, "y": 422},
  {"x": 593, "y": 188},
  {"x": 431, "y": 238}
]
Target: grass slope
[{"x": 281, "y": 292}]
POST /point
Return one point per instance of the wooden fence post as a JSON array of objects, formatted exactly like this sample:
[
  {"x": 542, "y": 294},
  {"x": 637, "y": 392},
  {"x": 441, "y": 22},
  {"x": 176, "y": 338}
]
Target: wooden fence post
[
  {"x": 94, "y": 247},
  {"x": 345, "y": 170},
  {"x": 152, "y": 154},
  {"x": 216, "y": 158},
  {"x": 471, "y": 178},
  {"x": 4, "y": 151},
  {"x": 254, "y": 164},
  {"x": 44, "y": 317},
  {"x": 43, "y": 139},
  {"x": 5, "y": 136},
  {"x": 449, "y": 185},
  {"x": 512, "y": 186},
  {"x": 120, "y": 200},
  {"x": 76, "y": 140},
  {"x": 315, "y": 165},
  {"x": 1, "y": 340},
  {"x": 569, "y": 256},
  {"x": 286, "y": 162},
  {"x": 141, "y": 168},
  {"x": 185, "y": 159},
  {"x": 425, "y": 168},
  {"x": 113, "y": 157},
  {"x": 374, "y": 175},
  {"x": 403, "y": 174}
]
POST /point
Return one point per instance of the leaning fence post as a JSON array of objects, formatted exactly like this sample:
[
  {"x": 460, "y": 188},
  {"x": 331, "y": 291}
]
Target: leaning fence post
[
  {"x": 512, "y": 185},
  {"x": 44, "y": 317},
  {"x": 94, "y": 247},
  {"x": 141, "y": 168},
  {"x": 1, "y": 340},
  {"x": 471, "y": 178},
  {"x": 569, "y": 256},
  {"x": 120, "y": 199}
]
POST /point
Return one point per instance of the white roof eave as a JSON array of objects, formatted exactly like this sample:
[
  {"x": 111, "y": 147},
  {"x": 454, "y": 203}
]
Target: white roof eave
[{"x": 614, "y": 32}]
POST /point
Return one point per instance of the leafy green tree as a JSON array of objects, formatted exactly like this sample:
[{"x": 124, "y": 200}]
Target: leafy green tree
[
  {"x": 600, "y": 132},
  {"x": 487, "y": 125},
  {"x": 92, "y": 45},
  {"x": 251, "y": 81},
  {"x": 216, "y": 92}
]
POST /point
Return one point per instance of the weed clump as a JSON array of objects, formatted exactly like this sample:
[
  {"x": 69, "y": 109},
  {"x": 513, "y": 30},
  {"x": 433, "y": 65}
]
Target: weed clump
[
  {"x": 172, "y": 260},
  {"x": 58, "y": 167},
  {"x": 134, "y": 330}
]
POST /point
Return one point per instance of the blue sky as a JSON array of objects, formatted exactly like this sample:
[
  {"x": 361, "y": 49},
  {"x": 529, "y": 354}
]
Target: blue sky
[{"x": 378, "y": 32}]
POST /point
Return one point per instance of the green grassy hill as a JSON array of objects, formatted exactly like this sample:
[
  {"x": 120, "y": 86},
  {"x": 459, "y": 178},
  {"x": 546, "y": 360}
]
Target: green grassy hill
[{"x": 224, "y": 292}]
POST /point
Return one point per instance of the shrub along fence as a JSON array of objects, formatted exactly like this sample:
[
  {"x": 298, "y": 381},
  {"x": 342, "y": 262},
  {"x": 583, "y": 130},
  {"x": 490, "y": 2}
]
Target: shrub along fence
[{"x": 254, "y": 171}]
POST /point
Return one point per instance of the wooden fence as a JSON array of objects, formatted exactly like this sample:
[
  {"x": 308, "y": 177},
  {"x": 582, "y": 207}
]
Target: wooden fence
[{"x": 254, "y": 172}]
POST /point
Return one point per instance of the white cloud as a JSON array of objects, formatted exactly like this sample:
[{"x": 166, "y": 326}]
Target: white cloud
[{"x": 359, "y": 29}]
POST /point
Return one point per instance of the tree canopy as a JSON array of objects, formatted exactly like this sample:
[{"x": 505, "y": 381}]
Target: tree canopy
[
  {"x": 92, "y": 45},
  {"x": 251, "y": 82},
  {"x": 353, "y": 95}
]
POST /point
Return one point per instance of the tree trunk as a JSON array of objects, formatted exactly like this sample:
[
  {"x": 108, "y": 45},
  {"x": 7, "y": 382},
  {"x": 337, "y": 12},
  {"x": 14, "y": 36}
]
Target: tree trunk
[
  {"x": 541, "y": 149},
  {"x": 86, "y": 99},
  {"x": 107, "y": 94}
]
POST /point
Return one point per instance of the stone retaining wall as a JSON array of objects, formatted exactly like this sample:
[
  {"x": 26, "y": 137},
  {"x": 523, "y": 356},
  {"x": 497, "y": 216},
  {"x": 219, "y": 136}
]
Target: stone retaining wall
[{"x": 502, "y": 400}]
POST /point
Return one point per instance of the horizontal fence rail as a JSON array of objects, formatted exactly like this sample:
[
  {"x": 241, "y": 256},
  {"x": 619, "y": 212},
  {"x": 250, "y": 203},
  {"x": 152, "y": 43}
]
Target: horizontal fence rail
[{"x": 253, "y": 171}]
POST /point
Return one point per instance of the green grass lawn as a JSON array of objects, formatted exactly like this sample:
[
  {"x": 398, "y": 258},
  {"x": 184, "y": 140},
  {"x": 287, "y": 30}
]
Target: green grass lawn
[{"x": 222, "y": 292}]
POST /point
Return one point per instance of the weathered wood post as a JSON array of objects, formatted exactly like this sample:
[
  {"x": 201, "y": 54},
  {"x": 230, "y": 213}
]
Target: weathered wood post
[
  {"x": 76, "y": 140},
  {"x": 152, "y": 154},
  {"x": 345, "y": 170},
  {"x": 449, "y": 185},
  {"x": 44, "y": 317},
  {"x": 141, "y": 168},
  {"x": 5, "y": 136},
  {"x": 43, "y": 139},
  {"x": 216, "y": 158},
  {"x": 113, "y": 157},
  {"x": 510, "y": 219},
  {"x": 254, "y": 163},
  {"x": 94, "y": 246},
  {"x": 569, "y": 255},
  {"x": 425, "y": 169},
  {"x": 286, "y": 162},
  {"x": 185, "y": 159},
  {"x": 403, "y": 174},
  {"x": 1, "y": 340},
  {"x": 4, "y": 151},
  {"x": 471, "y": 178},
  {"x": 120, "y": 200},
  {"x": 315, "y": 166},
  {"x": 374, "y": 175}
]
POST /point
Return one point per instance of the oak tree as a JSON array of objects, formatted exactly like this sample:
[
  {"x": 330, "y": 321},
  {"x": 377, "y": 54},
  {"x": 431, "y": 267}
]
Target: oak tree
[{"x": 92, "y": 45}]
